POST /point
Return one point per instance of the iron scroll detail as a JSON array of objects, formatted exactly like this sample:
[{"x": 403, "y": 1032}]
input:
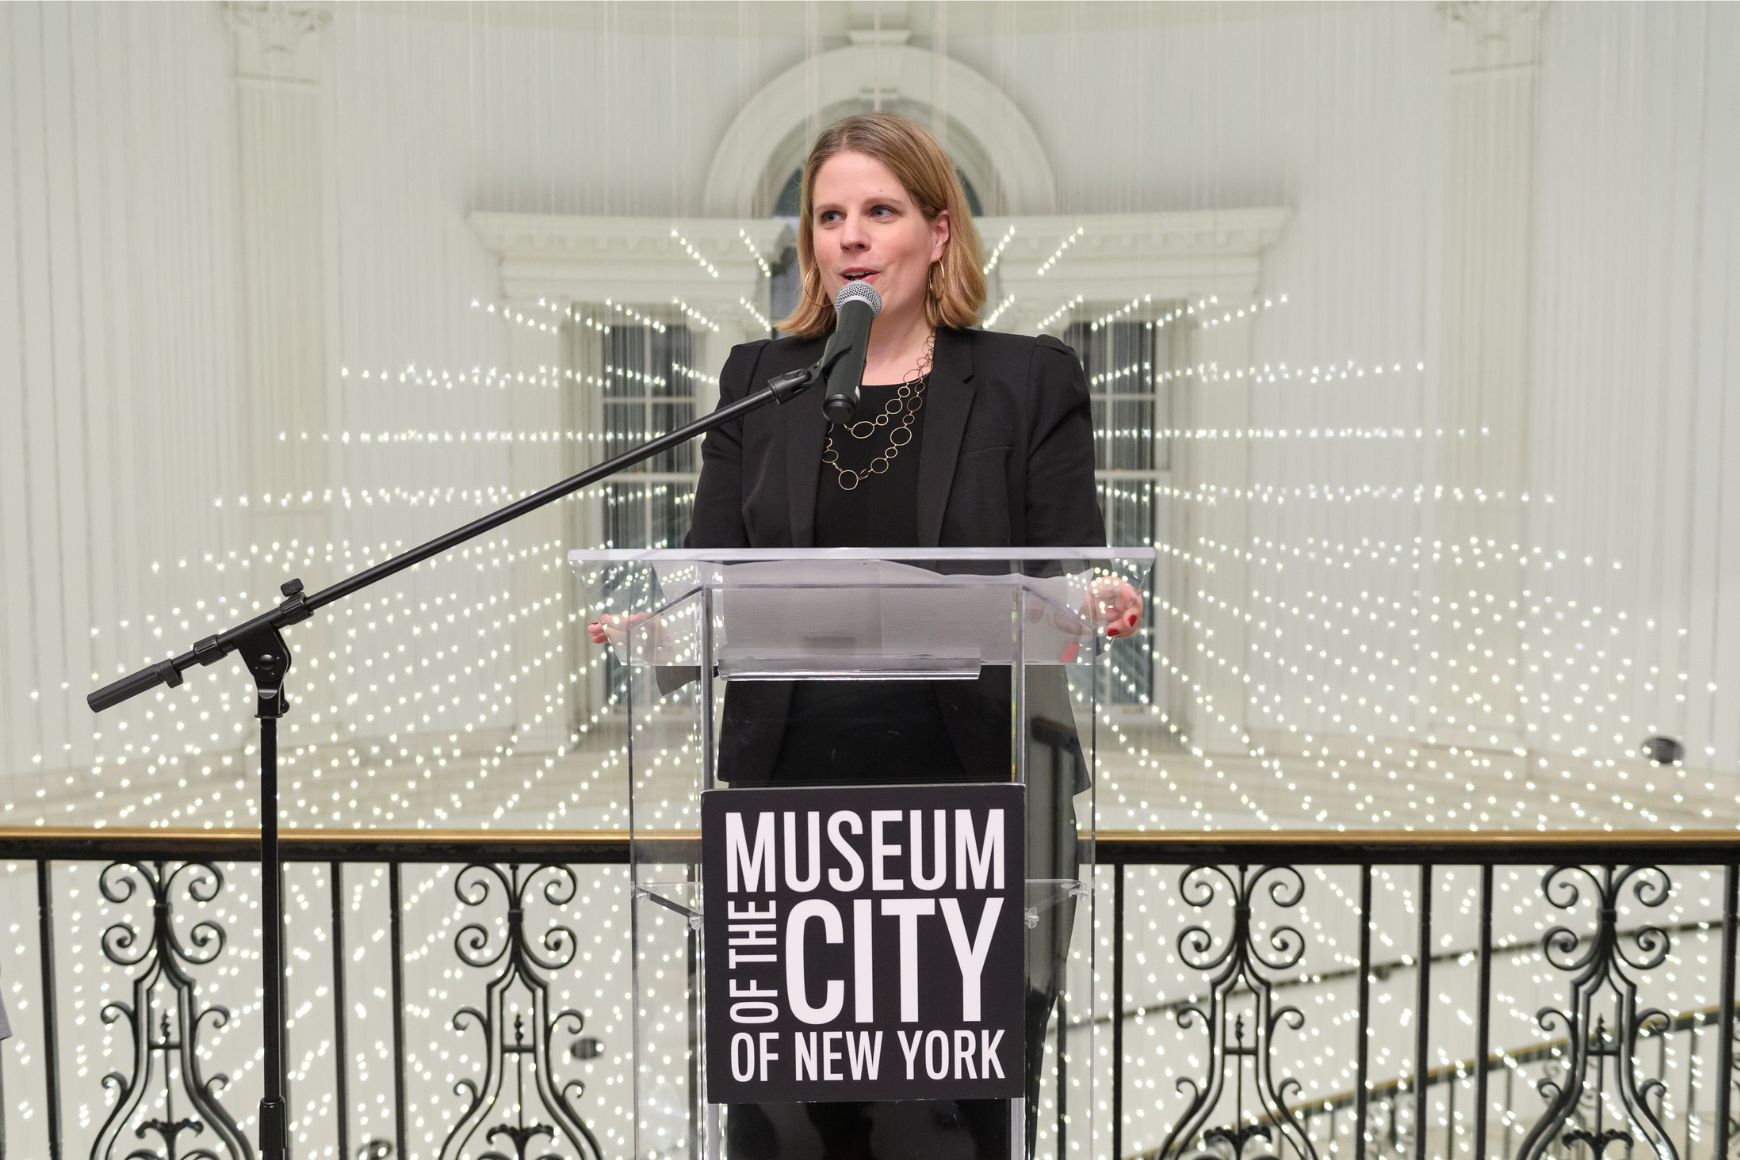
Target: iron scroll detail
[
  {"x": 1602, "y": 1046},
  {"x": 165, "y": 1028},
  {"x": 519, "y": 996},
  {"x": 1240, "y": 972}
]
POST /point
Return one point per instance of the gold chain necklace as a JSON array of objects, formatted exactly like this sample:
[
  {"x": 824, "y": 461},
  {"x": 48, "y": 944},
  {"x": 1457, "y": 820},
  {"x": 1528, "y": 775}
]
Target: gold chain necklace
[{"x": 907, "y": 400}]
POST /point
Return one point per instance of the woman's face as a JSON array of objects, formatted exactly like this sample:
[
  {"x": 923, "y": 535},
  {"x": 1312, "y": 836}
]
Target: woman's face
[{"x": 865, "y": 228}]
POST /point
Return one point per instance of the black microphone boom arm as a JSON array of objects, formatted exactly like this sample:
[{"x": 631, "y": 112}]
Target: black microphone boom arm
[{"x": 260, "y": 640}]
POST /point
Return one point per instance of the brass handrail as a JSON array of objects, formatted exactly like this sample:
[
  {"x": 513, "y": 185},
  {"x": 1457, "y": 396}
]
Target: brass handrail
[{"x": 1108, "y": 848}]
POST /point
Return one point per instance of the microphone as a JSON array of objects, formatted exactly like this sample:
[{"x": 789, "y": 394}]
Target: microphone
[{"x": 855, "y": 308}]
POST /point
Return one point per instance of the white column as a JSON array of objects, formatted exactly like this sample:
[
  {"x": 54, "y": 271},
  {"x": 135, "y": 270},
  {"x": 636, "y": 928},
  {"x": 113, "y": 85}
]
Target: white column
[
  {"x": 1484, "y": 387},
  {"x": 283, "y": 357},
  {"x": 283, "y": 279}
]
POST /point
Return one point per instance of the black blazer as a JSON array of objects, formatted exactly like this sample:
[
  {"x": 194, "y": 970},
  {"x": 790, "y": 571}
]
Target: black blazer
[{"x": 1007, "y": 460}]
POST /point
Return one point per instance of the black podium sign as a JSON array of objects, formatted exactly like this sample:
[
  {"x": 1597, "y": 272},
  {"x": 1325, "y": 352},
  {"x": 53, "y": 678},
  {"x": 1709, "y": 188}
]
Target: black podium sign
[{"x": 864, "y": 942}]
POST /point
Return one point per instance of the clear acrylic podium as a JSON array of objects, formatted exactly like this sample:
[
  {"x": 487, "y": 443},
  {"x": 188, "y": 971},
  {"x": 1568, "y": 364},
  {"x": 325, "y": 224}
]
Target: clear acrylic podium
[{"x": 741, "y": 668}]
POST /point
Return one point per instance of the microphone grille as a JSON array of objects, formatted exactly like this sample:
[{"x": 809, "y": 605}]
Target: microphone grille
[{"x": 859, "y": 291}]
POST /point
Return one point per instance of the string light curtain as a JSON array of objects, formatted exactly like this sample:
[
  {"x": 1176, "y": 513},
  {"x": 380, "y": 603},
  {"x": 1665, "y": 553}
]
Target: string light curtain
[{"x": 1475, "y": 546}]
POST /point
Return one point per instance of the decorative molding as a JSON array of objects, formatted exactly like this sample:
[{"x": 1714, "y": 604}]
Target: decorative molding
[
  {"x": 1143, "y": 236},
  {"x": 278, "y": 42},
  {"x": 771, "y": 133},
  {"x": 886, "y": 37},
  {"x": 1491, "y": 34},
  {"x": 522, "y": 235},
  {"x": 1121, "y": 256},
  {"x": 591, "y": 259},
  {"x": 594, "y": 259}
]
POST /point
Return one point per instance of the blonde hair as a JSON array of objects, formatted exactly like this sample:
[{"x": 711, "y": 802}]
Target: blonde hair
[{"x": 954, "y": 288}]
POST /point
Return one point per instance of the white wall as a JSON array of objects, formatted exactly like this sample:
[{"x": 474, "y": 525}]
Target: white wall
[{"x": 117, "y": 399}]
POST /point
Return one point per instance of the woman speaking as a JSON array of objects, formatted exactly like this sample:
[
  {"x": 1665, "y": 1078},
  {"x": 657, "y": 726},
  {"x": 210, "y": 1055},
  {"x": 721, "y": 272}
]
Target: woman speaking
[{"x": 963, "y": 438}]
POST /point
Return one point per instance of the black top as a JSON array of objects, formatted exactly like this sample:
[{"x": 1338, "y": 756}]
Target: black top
[
  {"x": 1007, "y": 459},
  {"x": 868, "y": 731},
  {"x": 882, "y": 510},
  {"x": 1008, "y": 455}
]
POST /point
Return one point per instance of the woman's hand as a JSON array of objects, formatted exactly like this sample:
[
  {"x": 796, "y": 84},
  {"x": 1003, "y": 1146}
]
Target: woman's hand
[
  {"x": 612, "y": 627},
  {"x": 1114, "y": 603}
]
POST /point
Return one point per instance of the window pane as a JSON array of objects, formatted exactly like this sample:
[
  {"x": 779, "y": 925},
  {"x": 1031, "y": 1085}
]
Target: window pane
[
  {"x": 624, "y": 362},
  {"x": 643, "y": 397},
  {"x": 625, "y": 515},
  {"x": 1102, "y": 445},
  {"x": 622, "y": 426},
  {"x": 1122, "y": 360},
  {"x": 668, "y": 417},
  {"x": 1132, "y": 435},
  {"x": 668, "y": 515}
]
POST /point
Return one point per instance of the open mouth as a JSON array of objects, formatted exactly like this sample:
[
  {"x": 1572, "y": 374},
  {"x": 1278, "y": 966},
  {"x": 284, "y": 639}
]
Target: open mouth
[{"x": 858, "y": 275}]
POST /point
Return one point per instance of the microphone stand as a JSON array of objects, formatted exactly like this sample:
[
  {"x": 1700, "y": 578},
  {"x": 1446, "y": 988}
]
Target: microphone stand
[{"x": 260, "y": 640}]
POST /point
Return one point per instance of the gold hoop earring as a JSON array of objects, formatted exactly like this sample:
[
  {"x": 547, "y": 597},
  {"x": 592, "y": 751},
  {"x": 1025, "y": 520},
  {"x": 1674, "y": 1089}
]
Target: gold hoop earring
[
  {"x": 933, "y": 312},
  {"x": 818, "y": 300},
  {"x": 936, "y": 282}
]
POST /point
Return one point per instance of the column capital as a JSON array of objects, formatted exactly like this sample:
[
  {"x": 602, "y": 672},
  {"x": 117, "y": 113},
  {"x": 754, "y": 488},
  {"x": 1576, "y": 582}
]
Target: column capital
[
  {"x": 1492, "y": 34},
  {"x": 278, "y": 42}
]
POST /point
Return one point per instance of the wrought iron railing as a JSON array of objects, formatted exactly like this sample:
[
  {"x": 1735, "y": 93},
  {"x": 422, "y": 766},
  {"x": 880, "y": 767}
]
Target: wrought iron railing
[
  {"x": 1392, "y": 1095},
  {"x": 1287, "y": 995}
]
